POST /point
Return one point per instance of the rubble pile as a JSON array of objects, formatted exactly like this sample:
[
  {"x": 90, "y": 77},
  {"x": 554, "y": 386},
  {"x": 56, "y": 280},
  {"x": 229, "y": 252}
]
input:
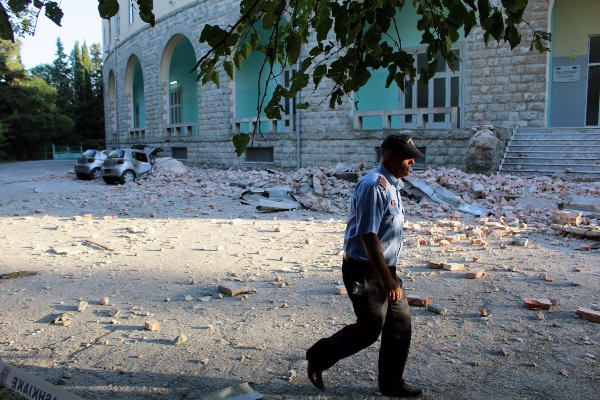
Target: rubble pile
[{"x": 512, "y": 204}]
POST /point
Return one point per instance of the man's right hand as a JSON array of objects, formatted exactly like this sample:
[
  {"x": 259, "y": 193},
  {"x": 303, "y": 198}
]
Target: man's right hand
[{"x": 393, "y": 289}]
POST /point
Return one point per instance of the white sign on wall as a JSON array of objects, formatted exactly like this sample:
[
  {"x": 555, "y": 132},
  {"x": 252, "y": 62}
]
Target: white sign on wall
[{"x": 566, "y": 74}]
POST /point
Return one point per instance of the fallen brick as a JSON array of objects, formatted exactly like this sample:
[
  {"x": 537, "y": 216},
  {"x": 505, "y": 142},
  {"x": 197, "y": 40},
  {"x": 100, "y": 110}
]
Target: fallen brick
[
  {"x": 538, "y": 304},
  {"x": 435, "y": 264},
  {"x": 588, "y": 314},
  {"x": 341, "y": 290},
  {"x": 104, "y": 301},
  {"x": 584, "y": 248},
  {"x": 546, "y": 277},
  {"x": 453, "y": 266},
  {"x": 418, "y": 301},
  {"x": 520, "y": 242},
  {"x": 444, "y": 243},
  {"x": 232, "y": 289},
  {"x": 476, "y": 241},
  {"x": 476, "y": 273},
  {"x": 152, "y": 325}
]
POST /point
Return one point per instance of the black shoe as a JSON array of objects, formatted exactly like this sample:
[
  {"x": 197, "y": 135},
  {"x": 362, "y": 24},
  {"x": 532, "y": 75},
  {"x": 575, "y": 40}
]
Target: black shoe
[
  {"x": 315, "y": 376},
  {"x": 405, "y": 390}
]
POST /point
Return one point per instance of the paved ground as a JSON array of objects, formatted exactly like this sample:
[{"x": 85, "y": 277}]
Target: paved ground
[{"x": 167, "y": 268}]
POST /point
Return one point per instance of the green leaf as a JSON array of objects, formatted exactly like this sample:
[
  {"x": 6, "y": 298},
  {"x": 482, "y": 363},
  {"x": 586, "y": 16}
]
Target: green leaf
[
  {"x": 38, "y": 3},
  {"x": 240, "y": 142},
  {"x": 6, "y": 32},
  {"x": 146, "y": 12},
  {"x": 323, "y": 27},
  {"x": 238, "y": 59},
  {"x": 228, "y": 66},
  {"x": 302, "y": 106},
  {"x": 470, "y": 22},
  {"x": 512, "y": 36},
  {"x": 108, "y": 8},
  {"x": 18, "y": 6},
  {"x": 53, "y": 12},
  {"x": 484, "y": 10},
  {"x": 215, "y": 78},
  {"x": 254, "y": 39},
  {"x": 496, "y": 28},
  {"x": 292, "y": 48},
  {"x": 246, "y": 50},
  {"x": 320, "y": 70}
]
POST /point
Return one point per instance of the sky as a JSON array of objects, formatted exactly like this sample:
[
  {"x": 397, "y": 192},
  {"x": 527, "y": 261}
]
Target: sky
[{"x": 80, "y": 22}]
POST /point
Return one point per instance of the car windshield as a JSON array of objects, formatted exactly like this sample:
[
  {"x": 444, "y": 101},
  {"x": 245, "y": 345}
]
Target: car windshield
[
  {"x": 89, "y": 153},
  {"x": 116, "y": 154}
]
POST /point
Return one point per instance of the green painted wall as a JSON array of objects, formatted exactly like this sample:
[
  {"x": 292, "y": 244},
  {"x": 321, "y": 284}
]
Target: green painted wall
[
  {"x": 247, "y": 83},
  {"x": 138, "y": 95},
  {"x": 182, "y": 62},
  {"x": 374, "y": 95},
  {"x": 574, "y": 22}
]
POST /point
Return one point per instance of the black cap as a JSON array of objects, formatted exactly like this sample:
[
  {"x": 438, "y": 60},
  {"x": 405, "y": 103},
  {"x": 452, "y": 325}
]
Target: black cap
[{"x": 402, "y": 144}]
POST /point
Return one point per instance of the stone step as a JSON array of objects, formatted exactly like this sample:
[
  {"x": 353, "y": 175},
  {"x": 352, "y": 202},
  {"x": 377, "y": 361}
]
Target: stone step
[
  {"x": 592, "y": 148},
  {"x": 550, "y": 160},
  {"x": 575, "y": 174},
  {"x": 563, "y": 154},
  {"x": 558, "y": 131},
  {"x": 552, "y": 167},
  {"x": 560, "y": 140}
]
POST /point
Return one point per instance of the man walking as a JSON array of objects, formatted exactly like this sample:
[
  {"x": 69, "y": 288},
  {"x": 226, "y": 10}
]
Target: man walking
[{"x": 372, "y": 243}]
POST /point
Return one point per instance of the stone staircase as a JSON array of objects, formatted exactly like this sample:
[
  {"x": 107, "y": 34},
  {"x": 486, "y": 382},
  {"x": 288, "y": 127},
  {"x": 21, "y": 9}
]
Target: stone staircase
[{"x": 553, "y": 151}]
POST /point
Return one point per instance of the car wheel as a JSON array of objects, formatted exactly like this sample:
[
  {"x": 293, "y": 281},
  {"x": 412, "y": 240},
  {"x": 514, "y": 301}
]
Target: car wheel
[
  {"x": 81, "y": 176},
  {"x": 128, "y": 176},
  {"x": 96, "y": 174},
  {"x": 109, "y": 181}
]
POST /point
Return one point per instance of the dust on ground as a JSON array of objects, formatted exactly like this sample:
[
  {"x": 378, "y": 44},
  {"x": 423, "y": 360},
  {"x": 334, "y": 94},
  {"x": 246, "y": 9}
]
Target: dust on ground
[{"x": 167, "y": 242}]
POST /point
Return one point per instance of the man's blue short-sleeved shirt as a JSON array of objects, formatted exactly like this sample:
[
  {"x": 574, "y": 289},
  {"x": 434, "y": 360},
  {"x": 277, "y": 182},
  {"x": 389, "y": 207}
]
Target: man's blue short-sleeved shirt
[{"x": 375, "y": 208}]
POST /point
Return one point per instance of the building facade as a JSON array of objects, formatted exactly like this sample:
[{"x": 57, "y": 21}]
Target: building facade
[{"x": 152, "y": 98}]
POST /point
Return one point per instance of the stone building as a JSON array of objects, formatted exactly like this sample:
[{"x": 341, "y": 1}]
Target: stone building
[{"x": 152, "y": 98}]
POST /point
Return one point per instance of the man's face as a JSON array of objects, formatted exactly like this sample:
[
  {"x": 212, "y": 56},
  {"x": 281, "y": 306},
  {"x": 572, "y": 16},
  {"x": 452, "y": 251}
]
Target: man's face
[
  {"x": 399, "y": 166},
  {"x": 404, "y": 167}
]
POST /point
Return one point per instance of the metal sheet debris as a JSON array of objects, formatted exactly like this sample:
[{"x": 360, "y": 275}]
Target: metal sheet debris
[{"x": 441, "y": 195}]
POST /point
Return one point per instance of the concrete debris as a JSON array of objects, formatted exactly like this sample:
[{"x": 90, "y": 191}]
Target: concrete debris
[
  {"x": 240, "y": 392},
  {"x": 476, "y": 273},
  {"x": 104, "y": 301},
  {"x": 171, "y": 165},
  {"x": 453, "y": 266},
  {"x": 179, "y": 340},
  {"x": 341, "y": 290},
  {"x": 152, "y": 325},
  {"x": 82, "y": 306},
  {"x": 437, "y": 309},
  {"x": 589, "y": 207},
  {"x": 233, "y": 289}
]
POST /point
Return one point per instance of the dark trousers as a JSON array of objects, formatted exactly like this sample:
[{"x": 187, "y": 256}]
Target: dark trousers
[{"x": 375, "y": 315}]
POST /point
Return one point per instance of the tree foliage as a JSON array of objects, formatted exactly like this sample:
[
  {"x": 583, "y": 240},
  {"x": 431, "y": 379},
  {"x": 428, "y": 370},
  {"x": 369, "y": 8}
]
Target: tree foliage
[
  {"x": 29, "y": 118},
  {"x": 343, "y": 40}
]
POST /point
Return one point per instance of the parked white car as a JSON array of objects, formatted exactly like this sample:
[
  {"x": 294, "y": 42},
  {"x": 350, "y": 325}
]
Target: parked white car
[
  {"x": 89, "y": 165},
  {"x": 127, "y": 165}
]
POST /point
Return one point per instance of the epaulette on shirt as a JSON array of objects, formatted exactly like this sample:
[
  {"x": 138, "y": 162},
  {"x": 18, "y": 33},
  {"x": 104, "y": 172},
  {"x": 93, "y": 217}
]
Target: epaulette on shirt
[{"x": 383, "y": 182}]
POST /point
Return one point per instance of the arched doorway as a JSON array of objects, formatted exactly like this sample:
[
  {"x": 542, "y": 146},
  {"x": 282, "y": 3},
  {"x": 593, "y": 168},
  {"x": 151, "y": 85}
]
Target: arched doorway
[
  {"x": 181, "y": 104},
  {"x": 134, "y": 89}
]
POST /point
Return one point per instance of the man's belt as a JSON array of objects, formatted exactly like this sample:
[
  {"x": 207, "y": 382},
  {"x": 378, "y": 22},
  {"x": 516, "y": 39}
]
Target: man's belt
[{"x": 349, "y": 259}]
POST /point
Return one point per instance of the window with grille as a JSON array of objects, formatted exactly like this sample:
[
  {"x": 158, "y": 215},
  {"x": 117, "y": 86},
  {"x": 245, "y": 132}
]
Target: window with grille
[
  {"x": 131, "y": 12},
  {"x": 136, "y": 115},
  {"x": 441, "y": 91},
  {"x": 259, "y": 154},
  {"x": 175, "y": 106},
  {"x": 289, "y": 103}
]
